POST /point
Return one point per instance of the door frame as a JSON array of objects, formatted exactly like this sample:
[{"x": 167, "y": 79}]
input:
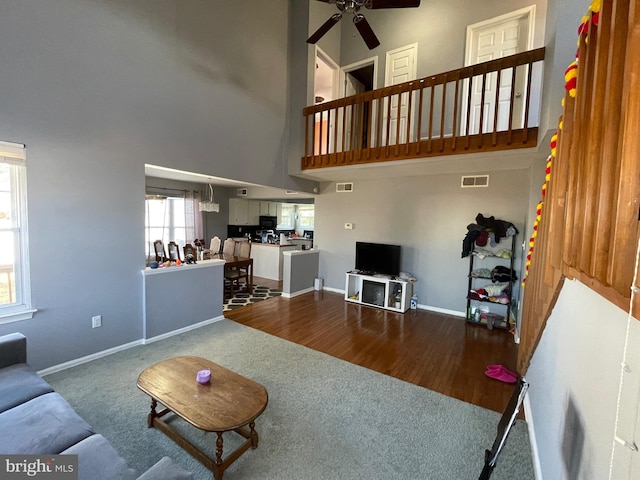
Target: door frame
[
  {"x": 356, "y": 66},
  {"x": 529, "y": 13}
]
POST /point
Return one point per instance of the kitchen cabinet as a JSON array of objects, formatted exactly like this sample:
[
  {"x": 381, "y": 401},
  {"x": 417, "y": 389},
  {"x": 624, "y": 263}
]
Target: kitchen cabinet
[
  {"x": 269, "y": 208},
  {"x": 243, "y": 212}
]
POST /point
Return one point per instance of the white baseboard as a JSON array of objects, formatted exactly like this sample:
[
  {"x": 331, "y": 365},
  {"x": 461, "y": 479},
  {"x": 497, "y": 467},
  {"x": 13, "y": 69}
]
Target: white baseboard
[
  {"x": 334, "y": 290},
  {"x": 446, "y": 311},
  {"x": 146, "y": 341},
  {"x": 299, "y": 292},
  {"x": 537, "y": 469},
  {"x": 88, "y": 358},
  {"x": 126, "y": 346}
]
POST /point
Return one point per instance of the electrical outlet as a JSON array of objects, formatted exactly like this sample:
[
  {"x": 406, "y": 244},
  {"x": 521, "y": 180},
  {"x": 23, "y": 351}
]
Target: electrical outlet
[{"x": 96, "y": 321}]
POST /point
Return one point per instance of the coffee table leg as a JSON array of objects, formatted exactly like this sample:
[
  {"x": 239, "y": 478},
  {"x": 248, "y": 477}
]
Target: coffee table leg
[
  {"x": 219, "y": 449},
  {"x": 253, "y": 435},
  {"x": 152, "y": 413}
]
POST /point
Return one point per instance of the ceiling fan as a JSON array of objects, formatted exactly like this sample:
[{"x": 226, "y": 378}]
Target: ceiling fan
[{"x": 353, "y": 7}]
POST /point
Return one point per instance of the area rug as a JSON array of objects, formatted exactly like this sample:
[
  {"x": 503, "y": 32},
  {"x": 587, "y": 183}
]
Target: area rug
[
  {"x": 243, "y": 298},
  {"x": 326, "y": 418}
]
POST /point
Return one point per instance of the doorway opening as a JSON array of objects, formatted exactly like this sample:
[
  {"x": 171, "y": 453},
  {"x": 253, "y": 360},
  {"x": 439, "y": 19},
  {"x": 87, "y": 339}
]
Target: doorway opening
[{"x": 358, "y": 78}]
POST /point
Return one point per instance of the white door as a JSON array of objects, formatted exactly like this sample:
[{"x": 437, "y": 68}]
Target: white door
[
  {"x": 496, "y": 38},
  {"x": 400, "y": 67}
]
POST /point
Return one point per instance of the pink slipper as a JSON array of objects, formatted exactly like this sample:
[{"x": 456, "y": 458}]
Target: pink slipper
[
  {"x": 502, "y": 368},
  {"x": 503, "y": 375}
]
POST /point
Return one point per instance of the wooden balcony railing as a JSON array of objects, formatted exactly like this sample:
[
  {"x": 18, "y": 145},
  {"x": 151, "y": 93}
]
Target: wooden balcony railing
[
  {"x": 431, "y": 116},
  {"x": 589, "y": 226}
]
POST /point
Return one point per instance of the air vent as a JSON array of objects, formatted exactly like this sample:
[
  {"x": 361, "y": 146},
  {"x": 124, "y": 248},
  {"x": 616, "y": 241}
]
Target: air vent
[
  {"x": 474, "y": 181},
  {"x": 291, "y": 192},
  {"x": 242, "y": 192},
  {"x": 344, "y": 187}
]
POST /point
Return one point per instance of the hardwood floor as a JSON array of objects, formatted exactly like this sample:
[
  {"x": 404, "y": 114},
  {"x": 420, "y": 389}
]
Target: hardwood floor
[{"x": 439, "y": 352}]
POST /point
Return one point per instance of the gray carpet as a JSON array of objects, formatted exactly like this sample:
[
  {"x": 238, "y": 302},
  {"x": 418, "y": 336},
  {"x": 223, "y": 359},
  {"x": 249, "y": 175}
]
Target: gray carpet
[{"x": 326, "y": 418}]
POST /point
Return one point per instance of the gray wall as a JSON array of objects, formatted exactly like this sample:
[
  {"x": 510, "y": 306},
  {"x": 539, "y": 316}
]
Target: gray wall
[
  {"x": 96, "y": 90},
  {"x": 574, "y": 376},
  {"x": 426, "y": 215}
]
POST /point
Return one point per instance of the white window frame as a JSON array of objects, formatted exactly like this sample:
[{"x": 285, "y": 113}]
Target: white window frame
[{"x": 14, "y": 155}]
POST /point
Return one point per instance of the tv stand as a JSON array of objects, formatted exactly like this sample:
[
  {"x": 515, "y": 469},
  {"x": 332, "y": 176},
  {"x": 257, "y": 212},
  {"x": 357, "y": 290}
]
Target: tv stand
[{"x": 382, "y": 291}]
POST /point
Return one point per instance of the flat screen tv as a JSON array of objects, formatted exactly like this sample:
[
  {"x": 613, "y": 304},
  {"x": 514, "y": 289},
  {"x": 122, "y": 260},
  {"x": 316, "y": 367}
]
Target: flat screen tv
[{"x": 377, "y": 258}]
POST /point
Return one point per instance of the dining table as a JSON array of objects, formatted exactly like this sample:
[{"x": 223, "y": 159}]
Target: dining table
[{"x": 234, "y": 261}]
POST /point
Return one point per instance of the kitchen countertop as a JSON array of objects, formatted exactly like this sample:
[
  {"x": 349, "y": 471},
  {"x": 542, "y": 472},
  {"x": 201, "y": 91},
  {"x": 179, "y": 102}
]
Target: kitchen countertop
[{"x": 254, "y": 244}]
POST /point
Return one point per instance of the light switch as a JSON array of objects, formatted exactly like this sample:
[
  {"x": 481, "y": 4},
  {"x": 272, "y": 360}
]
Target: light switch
[{"x": 348, "y": 226}]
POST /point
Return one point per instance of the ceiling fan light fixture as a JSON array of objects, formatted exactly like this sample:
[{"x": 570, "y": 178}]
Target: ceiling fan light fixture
[{"x": 353, "y": 7}]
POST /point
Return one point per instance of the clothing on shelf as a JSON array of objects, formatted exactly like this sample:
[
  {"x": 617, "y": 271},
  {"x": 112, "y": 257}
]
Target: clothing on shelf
[{"x": 486, "y": 231}]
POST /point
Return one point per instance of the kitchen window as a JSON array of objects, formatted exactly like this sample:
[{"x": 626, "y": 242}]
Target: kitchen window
[{"x": 15, "y": 288}]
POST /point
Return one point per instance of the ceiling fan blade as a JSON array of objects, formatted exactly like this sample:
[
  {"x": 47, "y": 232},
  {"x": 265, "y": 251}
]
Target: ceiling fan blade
[
  {"x": 324, "y": 28},
  {"x": 365, "y": 31},
  {"x": 373, "y": 4}
]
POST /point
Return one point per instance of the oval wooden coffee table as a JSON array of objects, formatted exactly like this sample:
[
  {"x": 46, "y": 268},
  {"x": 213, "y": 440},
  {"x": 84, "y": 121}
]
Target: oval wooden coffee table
[{"x": 229, "y": 402}]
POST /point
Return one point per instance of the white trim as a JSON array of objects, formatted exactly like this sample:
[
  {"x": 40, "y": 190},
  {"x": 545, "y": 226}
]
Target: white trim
[
  {"x": 535, "y": 455},
  {"x": 334, "y": 290},
  {"x": 322, "y": 55},
  {"x": 88, "y": 358},
  {"x": 17, "y": 316},
  {"x": 146, "y": 341},
  {"x": 126, "y": 346},
  {"x": 357, "y": 65},
  {"x": 446, "y": 311},
  {"x": 299, "y": 292}
]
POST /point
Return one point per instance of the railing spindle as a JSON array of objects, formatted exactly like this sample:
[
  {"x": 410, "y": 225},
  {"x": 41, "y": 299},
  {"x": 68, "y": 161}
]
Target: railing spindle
[
  {"x": 494, "y": 137},
  {"x": 511, "y": 105},
  {"x": 442, "y": 113},
  {"x": 432, "y": 96},
  {"x": 454, "y": 135}
]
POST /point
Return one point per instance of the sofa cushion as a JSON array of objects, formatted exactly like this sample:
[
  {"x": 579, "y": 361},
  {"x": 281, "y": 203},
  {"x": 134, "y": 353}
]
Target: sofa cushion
[
  {"x": 98, "y": 460},
  {"x": 45, "y": 424},
  {"x": 18, "y": 384}
]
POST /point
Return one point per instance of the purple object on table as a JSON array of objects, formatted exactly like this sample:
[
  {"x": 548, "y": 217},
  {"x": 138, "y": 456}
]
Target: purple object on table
[{"x": 203, "y": 376}]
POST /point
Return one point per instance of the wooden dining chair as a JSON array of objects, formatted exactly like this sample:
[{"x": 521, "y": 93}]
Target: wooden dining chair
[
  {"x": 158, "y": 247},
  {"x": 190, "y": 253},
  {"x": 244, "y": 249},
  {"x": 214, "y": 245},
  {"x": 174, "y": 251},
  {"x": 229, "y": 247}
]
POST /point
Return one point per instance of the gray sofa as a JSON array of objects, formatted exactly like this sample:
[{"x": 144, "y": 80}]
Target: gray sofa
[{"x": 36, "y": 420}]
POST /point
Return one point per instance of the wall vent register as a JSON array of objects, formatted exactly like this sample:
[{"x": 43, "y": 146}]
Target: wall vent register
[
  {"x": 475, "y": 181},
  {"x": 344, "y": 187}
]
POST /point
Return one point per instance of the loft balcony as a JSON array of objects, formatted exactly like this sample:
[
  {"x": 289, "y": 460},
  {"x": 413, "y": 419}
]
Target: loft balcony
[{"x": 433, "y": 116}]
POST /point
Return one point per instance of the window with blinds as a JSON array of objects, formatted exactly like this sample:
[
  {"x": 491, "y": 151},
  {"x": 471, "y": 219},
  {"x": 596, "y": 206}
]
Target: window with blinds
[{"x": 15, "y": 294}]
